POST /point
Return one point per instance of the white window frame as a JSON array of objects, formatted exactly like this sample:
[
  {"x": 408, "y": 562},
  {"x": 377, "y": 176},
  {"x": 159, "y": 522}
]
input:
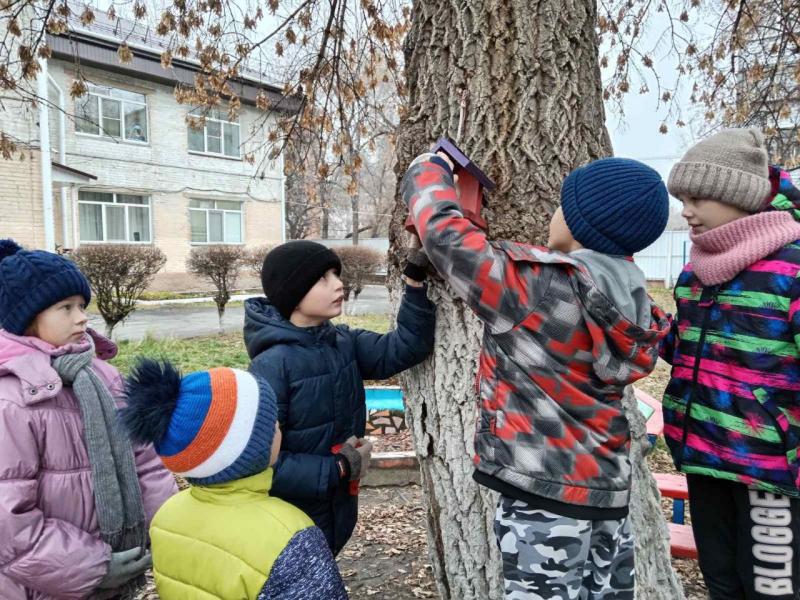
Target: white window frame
[
  {"x": 222, "y": 123},
  {"x": 97, "y": 94},
  {"x": 224, "y": 211},
  {"x": 127, "y": 206}
]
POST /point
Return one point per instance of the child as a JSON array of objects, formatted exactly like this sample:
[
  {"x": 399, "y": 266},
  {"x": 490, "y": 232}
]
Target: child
[
  {"x": 225, "y": 537},
  {"x": 317, "y": 371},
  {"x": 565, "y": 330},
  {"x": 735, "y": 368},
  {"x": 75, "y": 498}
]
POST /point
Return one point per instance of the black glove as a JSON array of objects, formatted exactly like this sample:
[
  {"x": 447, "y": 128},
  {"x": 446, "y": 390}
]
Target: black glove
[{"x": 417, "y": 264}]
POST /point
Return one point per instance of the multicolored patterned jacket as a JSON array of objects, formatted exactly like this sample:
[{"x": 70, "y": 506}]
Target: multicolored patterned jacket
[
  {"x": 556, "y": 355},
  {"x": 736, "y": 366}
]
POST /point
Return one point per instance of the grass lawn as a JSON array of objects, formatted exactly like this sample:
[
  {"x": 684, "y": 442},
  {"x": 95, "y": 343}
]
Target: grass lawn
[{"x": 226, "y": 350}]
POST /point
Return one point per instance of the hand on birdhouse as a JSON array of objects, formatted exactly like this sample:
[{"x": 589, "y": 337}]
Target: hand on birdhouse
[{"x": 447, "y": 159}]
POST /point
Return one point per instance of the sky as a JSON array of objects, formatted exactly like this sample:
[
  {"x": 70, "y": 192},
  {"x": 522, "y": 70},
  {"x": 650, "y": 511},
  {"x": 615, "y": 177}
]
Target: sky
[{"x": 635, "y": 134}]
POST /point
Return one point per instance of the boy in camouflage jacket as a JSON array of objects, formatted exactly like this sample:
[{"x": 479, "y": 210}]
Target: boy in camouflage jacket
[{"x": 566, "y": 328}]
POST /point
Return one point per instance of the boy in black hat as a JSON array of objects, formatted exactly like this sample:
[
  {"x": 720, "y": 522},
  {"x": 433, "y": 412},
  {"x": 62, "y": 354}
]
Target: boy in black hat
[{"x": 317, "y": 371}]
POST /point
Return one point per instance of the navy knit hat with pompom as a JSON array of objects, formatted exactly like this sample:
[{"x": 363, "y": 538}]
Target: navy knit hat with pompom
[
  {"x": 615, "y": 205},
  {"x": 32, "y": 281}
]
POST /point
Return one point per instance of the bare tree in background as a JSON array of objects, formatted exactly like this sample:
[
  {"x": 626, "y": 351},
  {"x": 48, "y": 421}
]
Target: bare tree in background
[
  {"x": 329, "y": 54},
  {"x": 739, "y": 60}
]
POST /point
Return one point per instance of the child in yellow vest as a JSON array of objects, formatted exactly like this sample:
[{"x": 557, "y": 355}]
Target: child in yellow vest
[{"x": 224, "y": 537}]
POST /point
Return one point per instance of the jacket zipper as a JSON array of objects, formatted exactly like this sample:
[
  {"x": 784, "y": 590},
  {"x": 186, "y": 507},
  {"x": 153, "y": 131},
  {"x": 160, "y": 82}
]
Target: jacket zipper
[{"x": 696, "y": 371}]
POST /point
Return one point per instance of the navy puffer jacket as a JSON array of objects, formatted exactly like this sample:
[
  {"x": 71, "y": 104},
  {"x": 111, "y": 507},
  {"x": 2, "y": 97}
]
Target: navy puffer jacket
[{"x": 317, "y": 374}]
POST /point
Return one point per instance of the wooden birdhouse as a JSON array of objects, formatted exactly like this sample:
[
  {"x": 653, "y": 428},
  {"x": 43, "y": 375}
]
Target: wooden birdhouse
[{"x": 471, "y": 183}]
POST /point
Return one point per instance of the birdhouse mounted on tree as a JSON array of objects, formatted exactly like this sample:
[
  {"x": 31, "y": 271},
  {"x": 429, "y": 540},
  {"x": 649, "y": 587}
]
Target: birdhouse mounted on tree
[{"x": 471, "y": 184}]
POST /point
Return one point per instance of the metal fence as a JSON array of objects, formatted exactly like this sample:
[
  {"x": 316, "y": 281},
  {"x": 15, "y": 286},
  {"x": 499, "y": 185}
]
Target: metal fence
[{"x": 665, "y": 259}]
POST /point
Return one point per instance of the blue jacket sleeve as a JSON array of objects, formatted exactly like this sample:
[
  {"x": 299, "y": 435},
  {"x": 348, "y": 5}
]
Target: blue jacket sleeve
[
  {"x": 381, "y": 356},
  {"x": 666, "y": 349},
  {"x": 305, "y": 569},
  {"x": 295, "y": 475}
]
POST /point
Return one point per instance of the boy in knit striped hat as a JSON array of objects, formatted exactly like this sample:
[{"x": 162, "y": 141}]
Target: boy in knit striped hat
[
  {"x": 566, "y": 329},
  {"x": 731, "y": 408},
  {"x": 224, "y": 537}
]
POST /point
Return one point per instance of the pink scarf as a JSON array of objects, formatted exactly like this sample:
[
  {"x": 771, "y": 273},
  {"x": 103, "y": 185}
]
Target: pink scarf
[{"x": 722, "y": 253}]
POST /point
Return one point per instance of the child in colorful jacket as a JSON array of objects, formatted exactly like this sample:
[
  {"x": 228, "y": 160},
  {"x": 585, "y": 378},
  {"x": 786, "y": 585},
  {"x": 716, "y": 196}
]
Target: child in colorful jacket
[
  {"x": 76, "y": 498},
  {"x": 736, "y": 366},
  {"x": 225, "y": 537},
  {"x": 566, "y": 329}
]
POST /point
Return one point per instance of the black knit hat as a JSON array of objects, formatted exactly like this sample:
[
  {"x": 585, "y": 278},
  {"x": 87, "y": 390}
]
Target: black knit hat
[{"x": 291, "y": 269}]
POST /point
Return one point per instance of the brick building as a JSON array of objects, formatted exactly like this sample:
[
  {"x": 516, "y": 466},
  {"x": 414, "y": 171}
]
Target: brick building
[{"x": 123, "y": 166}]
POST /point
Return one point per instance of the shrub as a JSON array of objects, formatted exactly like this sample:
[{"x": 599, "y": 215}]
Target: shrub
[
  {"x": 254, "y": 259},
  {"x": 221, "y": 265},
  {"x": 118, "y": 274},
  {"x": 359, "y": 265}
]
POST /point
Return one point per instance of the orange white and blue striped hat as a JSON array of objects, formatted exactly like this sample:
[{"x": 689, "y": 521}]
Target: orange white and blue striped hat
[{"x": 209, "y": 427}]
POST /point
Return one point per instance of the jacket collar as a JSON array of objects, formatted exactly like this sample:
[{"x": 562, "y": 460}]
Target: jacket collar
[
  {"x": 231, "y": 492},
  {"x": 29, "y": 360}
]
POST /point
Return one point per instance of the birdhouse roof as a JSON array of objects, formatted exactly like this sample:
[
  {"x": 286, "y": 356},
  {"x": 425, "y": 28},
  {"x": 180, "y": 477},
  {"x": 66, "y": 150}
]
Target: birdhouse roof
[{"x": 447, "y": 146}]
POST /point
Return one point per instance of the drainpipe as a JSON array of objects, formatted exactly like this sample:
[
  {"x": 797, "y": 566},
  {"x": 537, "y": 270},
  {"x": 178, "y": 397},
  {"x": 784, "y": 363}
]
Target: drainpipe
[
  {"x": 47, "y": 169},
  {"x": 283, "y": 201},
  {"x": 62, "y": 158}
]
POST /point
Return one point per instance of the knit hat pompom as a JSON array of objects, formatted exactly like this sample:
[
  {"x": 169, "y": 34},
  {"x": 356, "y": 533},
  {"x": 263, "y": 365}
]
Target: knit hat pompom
[
  {"x": 8, "y": 248},
  {"x": 616, "y": 206},
  {"x": 152, "y": 391},
  {"x": 291, "y": 270},
  {"x": 32, "y": 281},
  {"x": 209, "y": 426},
  {"x": 730, "y": 166}
]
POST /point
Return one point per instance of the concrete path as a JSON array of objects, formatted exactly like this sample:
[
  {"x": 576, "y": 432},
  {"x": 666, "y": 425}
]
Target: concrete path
[{"x": 184, "y": 320}]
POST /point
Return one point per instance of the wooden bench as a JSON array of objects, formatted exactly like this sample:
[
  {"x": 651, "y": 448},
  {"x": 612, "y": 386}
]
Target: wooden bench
[
  {"x": 681, "y": 541},
  {"x": 651, "y": 409},
  {"x": 681, "y": 536}
]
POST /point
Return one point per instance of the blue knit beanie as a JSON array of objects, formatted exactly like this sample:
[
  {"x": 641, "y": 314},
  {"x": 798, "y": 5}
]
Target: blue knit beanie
[
  {"x": 32, "y": 281},
  {"x": 209, "y": 426},
  {"x": 615, "y": 205}
]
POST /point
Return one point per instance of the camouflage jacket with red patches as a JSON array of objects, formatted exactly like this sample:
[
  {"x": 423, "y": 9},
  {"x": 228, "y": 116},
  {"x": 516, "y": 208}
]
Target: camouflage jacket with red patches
[{"x": 556, "y": 354}]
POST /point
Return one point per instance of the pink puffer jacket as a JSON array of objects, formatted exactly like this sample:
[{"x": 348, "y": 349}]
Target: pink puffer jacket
[{"x": 49, "y": 544}]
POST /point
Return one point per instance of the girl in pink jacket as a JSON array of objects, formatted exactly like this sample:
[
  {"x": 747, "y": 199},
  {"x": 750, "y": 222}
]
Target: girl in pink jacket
[{"x": 76, "y": 499}]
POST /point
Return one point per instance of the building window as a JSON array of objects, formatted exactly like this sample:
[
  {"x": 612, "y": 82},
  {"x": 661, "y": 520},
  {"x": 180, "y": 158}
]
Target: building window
[
  {"x": 219, "y": 136},
  {"x": 215, "y": 221},
  {"x": 111, "y": 217},
  {"x": 109, "y": 112}
]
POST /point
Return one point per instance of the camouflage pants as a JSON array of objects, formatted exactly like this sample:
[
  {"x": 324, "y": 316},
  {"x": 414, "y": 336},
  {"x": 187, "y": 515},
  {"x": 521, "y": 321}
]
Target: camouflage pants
[{"x": 550, "y": 557}]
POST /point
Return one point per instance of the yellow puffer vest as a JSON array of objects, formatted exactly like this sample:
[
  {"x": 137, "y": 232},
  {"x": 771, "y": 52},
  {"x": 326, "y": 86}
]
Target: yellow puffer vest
[{"x": 220, "y": 541}]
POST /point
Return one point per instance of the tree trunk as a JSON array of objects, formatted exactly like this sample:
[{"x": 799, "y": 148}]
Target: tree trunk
[
  {"x": 655, "y": 577},
  {"x": 220, "y": 316},
  {"x": 354, "y": 206},
  {"x": 528, "y": 73}
]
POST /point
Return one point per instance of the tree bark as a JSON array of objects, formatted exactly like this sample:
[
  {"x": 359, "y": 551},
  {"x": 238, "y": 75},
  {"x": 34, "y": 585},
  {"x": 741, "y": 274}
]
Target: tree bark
[
  {"x": 528, "y": 71},
  {"x": 354, "y": 207}
]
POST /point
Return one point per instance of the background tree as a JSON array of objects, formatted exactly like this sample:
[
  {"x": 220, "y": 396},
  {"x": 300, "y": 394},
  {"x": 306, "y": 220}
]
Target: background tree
[
  {"x": 359, "y": 265},
  {"x": 737, "y": 64},
  {"x": 119, "y": 274},
  {"x": 221, "y": 265},
  {"x": 253, "y": 259},
  {"x": 526, "y": 75}
]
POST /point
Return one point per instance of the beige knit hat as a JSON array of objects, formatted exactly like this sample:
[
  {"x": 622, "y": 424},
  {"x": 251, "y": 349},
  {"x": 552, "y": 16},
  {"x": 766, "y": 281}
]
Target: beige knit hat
[{"x": 730, "y": 166}]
